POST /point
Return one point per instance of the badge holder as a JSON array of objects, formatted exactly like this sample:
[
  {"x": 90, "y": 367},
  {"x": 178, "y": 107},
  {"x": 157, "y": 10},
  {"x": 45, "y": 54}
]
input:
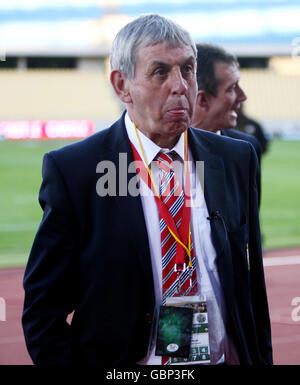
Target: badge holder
[
  {"x": 174, "y": 331},
  {"x": 183, "y": 331}
]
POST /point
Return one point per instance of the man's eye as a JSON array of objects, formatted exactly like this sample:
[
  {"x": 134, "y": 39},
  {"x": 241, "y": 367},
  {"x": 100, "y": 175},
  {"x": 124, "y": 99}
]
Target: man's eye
[
  {"x": 231, "y": 89},
  {"x": 160, "y": 72},
  {"x": 187, "y": 70}
]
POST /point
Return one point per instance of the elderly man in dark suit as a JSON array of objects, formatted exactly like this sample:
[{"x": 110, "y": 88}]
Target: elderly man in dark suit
[
  {"x": 129, "y": 225},
  {"x": 220, "y": 96}
]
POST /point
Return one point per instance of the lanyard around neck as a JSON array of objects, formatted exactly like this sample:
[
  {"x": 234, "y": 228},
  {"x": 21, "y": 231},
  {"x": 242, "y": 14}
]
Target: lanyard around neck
[{"x": 184, "y": 238}]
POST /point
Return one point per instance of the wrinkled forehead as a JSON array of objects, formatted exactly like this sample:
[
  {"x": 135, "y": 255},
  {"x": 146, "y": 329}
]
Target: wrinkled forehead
[{"x": 165, "y": 51}]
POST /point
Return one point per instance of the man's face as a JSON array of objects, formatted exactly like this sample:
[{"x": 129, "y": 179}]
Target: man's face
[
  {"x": 163, "y": 92},
  {"x": 226, "y": 104}
]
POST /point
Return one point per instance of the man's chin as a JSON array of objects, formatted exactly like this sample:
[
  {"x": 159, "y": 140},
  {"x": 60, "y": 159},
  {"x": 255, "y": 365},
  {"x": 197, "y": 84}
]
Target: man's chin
[
  {"x": 178, "y": 126},
  {"x": 232, "y": 123}
]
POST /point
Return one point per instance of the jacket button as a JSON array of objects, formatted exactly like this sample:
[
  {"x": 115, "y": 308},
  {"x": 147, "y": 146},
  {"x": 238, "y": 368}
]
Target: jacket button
[{"x": 148, "y": 318}]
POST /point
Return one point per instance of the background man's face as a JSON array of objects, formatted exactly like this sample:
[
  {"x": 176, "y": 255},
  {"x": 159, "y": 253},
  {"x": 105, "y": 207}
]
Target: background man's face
[
  {"x": 163, "y": 92},
  {"x": 225, "y": 105}
]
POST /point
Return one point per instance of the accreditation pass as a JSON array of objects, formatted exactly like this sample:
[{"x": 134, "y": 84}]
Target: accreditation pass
[{"x": 200, "y": 350}]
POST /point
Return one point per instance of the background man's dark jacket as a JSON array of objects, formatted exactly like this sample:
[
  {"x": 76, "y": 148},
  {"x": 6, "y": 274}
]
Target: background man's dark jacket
[{"x": 235, "y": 134}]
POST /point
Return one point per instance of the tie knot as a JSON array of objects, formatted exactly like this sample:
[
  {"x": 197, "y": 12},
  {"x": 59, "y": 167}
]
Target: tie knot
[{"x": 165, "y": 161}]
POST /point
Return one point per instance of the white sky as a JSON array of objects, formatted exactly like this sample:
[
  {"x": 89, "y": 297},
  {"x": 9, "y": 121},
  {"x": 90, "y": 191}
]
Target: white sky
[
  {"x": 30, "y": 4},
  {"x": 236, "y": 22}
]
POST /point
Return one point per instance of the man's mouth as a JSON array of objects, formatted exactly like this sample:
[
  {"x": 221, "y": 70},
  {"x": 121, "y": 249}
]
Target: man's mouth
[
  {"x": 235, "y": 110},
  {"x": 177, "y": 112}
]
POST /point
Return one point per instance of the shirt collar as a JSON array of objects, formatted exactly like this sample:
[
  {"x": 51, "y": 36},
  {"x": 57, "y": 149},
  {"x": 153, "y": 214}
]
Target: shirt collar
[{"x": 150, "y": 148}]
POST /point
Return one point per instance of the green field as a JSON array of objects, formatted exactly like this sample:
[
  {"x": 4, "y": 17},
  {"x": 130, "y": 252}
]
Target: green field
[
  {"x": 280, "y": 206},
  {"x": 20, "y": 213}
]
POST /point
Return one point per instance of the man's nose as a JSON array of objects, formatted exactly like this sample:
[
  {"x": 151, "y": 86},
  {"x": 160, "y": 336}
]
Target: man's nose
[
  {"x": 178, "y": 83},
  {"x": 241, "y": 95}
]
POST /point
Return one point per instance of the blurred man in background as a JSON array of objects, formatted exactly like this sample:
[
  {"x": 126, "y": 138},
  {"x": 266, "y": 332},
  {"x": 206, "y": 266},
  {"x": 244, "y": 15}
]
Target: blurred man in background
[{"x": 220, "y": 96}]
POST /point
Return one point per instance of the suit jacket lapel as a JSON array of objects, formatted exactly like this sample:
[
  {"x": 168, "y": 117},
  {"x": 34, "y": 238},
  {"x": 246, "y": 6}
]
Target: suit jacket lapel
[{"x": 130, "y": 207}]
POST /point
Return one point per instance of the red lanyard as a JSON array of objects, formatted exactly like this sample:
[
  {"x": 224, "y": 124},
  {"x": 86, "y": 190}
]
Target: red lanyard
[{"x": 183, "y": 236}]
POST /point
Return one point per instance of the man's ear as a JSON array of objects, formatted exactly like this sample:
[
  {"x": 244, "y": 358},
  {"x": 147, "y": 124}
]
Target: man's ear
[
  {"x": 120, "y": 84},
  {"x": 203, "y": 100}
]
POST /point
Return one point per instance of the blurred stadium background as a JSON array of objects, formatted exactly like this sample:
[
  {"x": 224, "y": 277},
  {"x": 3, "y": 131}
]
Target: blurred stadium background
[{"x": 54, "y": 85}]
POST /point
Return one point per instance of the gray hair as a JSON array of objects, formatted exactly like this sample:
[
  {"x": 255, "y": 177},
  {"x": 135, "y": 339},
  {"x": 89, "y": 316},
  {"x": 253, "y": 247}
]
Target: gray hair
[
  {"x": 146, "y": 30},
  {"x": 208, "y": 55}
]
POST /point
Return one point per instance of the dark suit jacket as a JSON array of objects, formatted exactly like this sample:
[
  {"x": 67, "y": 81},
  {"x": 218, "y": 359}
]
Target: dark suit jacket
[
  {"x": 235, "y": 134},
  {"x": 91, "y": 255}
]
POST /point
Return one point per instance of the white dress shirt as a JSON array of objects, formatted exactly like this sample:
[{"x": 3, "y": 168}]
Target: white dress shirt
[{"x": 207, "y": 275}]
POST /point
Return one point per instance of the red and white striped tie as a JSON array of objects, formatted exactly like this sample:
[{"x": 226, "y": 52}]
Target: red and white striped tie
[{"x": 172, "y": 196}]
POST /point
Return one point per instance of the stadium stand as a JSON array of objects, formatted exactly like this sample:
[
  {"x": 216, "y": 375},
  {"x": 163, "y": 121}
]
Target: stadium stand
[
  {"x": 57, "y": 94},
  {"x": 73, "y": 94}
]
